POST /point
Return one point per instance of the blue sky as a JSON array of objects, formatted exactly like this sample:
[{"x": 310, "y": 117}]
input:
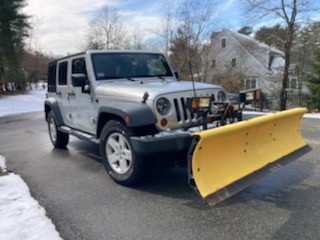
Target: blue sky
[{"x": 58, "y": 25}]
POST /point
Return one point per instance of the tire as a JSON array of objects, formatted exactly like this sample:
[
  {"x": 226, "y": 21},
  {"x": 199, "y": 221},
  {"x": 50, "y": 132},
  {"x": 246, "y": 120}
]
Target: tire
[
  {"x": 59, "y": 139},
  {"x": 118, "y": 157}
]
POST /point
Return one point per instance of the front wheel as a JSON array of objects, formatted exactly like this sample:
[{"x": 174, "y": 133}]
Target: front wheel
[
  {"x": 118, "y": 157},
  {"x": 59, "y": 139}
]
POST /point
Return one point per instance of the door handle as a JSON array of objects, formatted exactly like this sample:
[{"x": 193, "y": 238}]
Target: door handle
[{"x": 71, "y": 94}]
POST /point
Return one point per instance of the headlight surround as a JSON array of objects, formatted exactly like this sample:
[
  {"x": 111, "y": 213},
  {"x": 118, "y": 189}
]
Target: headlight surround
[{"x": 163, "y": 106}]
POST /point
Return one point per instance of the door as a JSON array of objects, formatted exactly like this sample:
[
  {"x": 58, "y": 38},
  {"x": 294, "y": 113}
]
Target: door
[
  {"x": 81, "y": 101},
  {"x": 63, "y": 91}
]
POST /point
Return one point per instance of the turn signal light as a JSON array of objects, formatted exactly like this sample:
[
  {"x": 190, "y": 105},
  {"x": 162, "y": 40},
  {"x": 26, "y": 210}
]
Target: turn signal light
[{"x": 164, "y": 122}]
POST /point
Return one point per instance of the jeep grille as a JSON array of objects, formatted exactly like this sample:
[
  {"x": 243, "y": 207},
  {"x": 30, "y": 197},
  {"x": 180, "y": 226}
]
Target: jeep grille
[
  {"x": 180, "y": 116},
  {"x": 182, "y": 113}
]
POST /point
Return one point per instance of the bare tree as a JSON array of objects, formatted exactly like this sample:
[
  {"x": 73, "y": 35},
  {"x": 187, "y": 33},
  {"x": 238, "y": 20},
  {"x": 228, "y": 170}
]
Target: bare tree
[
  {"x": 289, "y": 11},
  {"x": 106, "y": 31},
  {"x": 166, "y": 28},
  {"x": 196, "y": 20},
  {"x": 137, "y": 37},
  {"x": 168, "y": 25}
]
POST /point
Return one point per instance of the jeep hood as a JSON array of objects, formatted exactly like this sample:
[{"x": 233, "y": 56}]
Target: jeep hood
[{"x": 126, "y": 89}]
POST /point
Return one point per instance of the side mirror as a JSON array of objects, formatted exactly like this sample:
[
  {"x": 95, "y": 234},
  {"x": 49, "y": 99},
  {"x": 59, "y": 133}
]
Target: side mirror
[
  {"x": 79, "y": 79},
  {"x": 176, "y": 74}
]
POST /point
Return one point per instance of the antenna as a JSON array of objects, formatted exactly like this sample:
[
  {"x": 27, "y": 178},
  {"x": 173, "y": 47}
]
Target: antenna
[{"x": 191, "y": 73}]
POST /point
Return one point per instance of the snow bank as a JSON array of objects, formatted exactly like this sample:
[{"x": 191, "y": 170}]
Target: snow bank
[
  {"x": 2, "y": 164},
  {"x": 21, "y": 216},
  {"x": 31, "y": 102}
]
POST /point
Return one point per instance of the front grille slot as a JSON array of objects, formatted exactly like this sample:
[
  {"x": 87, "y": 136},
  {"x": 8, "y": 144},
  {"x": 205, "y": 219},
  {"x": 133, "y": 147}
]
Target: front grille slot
[
  {"x": 182, "y": 113},
  {"x": 176, "y": 106},
  {"x": 184, "y": 108}
]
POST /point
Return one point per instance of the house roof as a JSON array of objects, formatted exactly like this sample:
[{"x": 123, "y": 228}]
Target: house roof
[{"x": 258, "y": 49}]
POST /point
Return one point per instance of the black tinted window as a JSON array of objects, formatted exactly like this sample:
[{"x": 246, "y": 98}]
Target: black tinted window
[
  {"x": 52, "y": 71},
  {"x": 79, "y": 66},
  {"x": 63, "y": 73}
]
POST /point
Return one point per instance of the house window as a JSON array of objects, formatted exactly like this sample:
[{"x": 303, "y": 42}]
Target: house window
[
  {"x": 213, "y": 63},
  {"x": 293, "y": 83},
  {"x": 223, "y": 42},
  {"x": 250, "y": 83},
  {"x": 233, "y": 62}
]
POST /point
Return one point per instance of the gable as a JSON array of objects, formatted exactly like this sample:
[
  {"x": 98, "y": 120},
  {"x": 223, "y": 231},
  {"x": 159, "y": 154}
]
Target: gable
[{"x": 228, "y": 45}]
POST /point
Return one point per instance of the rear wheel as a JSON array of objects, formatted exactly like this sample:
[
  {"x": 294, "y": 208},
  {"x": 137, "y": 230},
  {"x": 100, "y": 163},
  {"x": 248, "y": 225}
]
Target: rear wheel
[
  {"x": 118, "y": 157},
  {"x": 59, "y": 139}
]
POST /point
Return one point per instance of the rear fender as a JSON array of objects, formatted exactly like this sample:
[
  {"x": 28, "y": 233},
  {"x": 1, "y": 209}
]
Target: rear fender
[{"x": 52, "y": 105}]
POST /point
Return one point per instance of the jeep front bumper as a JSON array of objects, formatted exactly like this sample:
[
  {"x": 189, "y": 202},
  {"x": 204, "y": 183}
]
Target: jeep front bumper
[{"x": 162, "y": 143}]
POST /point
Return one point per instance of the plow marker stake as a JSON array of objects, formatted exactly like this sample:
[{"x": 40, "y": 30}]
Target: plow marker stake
[{"x": 227, "y": 159}]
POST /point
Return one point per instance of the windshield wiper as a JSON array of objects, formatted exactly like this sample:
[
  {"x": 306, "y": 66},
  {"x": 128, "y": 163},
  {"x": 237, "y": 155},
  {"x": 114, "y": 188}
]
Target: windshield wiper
[
  {"x": 162, "y": 77},
  {"x": 119, "y": 77}
]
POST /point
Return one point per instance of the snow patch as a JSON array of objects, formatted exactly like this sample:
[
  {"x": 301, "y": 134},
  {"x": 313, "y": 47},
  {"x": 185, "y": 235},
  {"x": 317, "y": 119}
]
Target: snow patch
[
  {"x": 31, "y": 102},
  {"x": 2, "y": 164},
  {"x": 21, "y": 216}
]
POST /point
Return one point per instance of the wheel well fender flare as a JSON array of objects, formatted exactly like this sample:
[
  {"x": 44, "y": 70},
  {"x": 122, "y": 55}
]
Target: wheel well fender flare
[
  {"x": 52, "y": 105},
  {"x": 131, "y": 114}
]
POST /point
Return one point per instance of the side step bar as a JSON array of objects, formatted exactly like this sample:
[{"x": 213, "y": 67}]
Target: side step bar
[{"x": 79, "y": 134}]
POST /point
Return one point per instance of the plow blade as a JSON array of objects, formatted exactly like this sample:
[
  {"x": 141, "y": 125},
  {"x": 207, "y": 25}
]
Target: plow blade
[{"x": 225, "y": 160}]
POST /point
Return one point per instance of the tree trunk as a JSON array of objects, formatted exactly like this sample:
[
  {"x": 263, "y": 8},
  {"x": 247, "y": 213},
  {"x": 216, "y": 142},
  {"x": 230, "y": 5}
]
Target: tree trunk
[
  {"x": 283, "y": 95},
  {"x": 287, "y": 57}
]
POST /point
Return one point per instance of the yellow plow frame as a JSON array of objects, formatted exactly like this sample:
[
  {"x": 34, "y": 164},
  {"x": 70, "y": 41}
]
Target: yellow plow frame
[{"x": 225, "y": 160}]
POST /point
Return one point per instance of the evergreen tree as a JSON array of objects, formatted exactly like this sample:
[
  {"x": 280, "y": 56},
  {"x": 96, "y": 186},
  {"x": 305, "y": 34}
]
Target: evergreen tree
[
  {"x": 246, "y": 30},
  {"x": 13, "y": 30},
  {"x": 314, "y": 82},
  {"x": 273, "y": 36}
]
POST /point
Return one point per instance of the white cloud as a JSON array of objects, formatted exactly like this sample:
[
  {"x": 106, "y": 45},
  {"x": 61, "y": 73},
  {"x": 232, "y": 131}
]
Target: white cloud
[
  {"x": 58, "y": 26},
  {"x": 60, "y": 23}
]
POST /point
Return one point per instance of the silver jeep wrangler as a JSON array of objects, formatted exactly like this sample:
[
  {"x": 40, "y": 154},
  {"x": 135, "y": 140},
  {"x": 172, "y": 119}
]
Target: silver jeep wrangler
[{"x": 132, "y": 104}]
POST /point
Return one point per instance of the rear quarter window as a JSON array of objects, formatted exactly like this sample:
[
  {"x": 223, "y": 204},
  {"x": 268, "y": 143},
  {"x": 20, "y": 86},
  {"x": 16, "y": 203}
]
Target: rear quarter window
[
  {"x": 52, "y": 74},
  {"x": 63, "y": 67}
]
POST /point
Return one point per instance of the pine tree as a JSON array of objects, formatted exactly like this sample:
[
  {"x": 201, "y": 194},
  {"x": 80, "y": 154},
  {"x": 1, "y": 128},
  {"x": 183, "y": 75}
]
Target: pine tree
[
  {"x": 13, "y": 30},
  {"x": 314, "y": 82},
  {"x": 274, "y": 36}
]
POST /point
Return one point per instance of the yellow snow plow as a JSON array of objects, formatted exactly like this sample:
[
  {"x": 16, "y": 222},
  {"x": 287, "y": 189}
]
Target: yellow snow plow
[{"x": 225, "y": 160}]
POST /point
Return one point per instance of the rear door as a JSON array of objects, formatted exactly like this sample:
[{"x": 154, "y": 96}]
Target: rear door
[{"x": 63, "y": 91}]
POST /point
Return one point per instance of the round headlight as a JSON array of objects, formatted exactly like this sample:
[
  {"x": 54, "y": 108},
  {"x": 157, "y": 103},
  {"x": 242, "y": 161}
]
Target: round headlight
[
  {"x": 222, "y": 96},
  {"x": 163, "y": 106}
]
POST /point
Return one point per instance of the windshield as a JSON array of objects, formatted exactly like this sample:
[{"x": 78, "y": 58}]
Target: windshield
[{"x": 129, "y": 65}]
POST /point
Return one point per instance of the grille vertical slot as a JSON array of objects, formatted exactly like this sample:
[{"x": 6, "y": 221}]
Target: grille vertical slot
[
  {"x": 184, "y": 108},
  {"x": 176, "y": 105},
  {"x": 182, "y": 113}
]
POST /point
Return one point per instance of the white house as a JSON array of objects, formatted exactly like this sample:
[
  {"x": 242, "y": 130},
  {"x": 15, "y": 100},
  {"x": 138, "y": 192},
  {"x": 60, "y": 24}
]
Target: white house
[{"x": 261, "y": 64}]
